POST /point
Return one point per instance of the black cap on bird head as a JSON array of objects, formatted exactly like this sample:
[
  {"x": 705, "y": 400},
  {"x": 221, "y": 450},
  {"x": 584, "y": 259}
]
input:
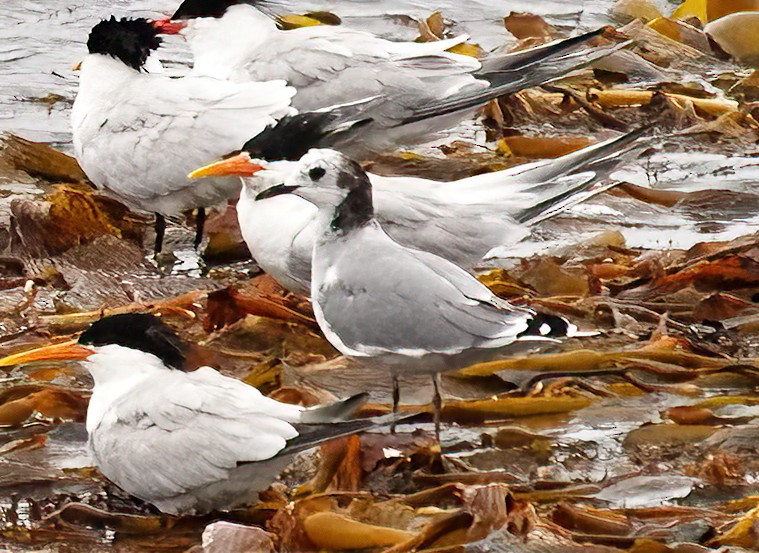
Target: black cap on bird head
[
  {"x": 129, "y": 40},
  {"x": 140, "y": 331},
  {"x": 191, "y": 9}
]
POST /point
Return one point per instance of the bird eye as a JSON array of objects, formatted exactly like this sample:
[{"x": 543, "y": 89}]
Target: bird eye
[{"x": 316, "y": 173}]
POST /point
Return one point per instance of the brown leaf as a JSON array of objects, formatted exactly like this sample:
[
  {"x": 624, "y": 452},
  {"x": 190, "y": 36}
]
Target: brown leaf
[
  {"x": 256, "y": 297},
  {"x": 549, "y": 278},
  {"x": 527, "y": 25},
  {"x": 542, "y": 147},
  {"x": 591, "y": 521},
  {"x": 69, "y": 217},
  {"x": 40, "y": 160},
  {"x": 337, "y": 532}
]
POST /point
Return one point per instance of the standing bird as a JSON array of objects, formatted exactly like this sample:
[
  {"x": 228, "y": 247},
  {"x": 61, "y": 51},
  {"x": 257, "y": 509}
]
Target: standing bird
[
  {"x": 461, "y": 220},
  {"x": 186, "y": 442},
  {"x": 423, "y": 88},
  {"x": 138, "y": 134},
  {"x": 397, "y": 308}
]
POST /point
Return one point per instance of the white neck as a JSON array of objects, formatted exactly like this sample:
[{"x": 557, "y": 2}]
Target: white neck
[
  {"x": 116, "y": 370},
  {"x": 221, "y": 47}
]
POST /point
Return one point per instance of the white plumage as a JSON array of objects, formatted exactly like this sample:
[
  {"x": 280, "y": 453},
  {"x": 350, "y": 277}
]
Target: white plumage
[{"x": 137, "y": 134}]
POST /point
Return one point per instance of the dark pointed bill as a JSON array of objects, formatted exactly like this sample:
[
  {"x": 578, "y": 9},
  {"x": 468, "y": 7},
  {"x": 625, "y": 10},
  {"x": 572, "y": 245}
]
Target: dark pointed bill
[{"x": 277, "y": 190}]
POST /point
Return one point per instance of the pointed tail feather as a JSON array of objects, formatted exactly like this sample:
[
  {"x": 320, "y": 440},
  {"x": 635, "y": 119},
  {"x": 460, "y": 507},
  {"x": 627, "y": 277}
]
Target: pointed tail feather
[
  {"x": 338, "y": 411},
  {"x": 589, "y": 166},
  {"x": 313, "y": 435},
  {"x": 513, "y": 80},
  {"x": 494, "y": 66}
]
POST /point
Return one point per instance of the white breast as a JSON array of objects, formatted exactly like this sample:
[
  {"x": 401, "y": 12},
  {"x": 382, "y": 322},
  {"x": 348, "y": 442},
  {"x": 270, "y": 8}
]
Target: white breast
[{"x": 280, "y": 236}]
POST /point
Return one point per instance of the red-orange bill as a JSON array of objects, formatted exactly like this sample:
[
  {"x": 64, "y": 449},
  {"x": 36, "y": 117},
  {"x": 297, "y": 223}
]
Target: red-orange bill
[
  {"x": 239, "y": 165},
  {"x": 66, "y": 351}
]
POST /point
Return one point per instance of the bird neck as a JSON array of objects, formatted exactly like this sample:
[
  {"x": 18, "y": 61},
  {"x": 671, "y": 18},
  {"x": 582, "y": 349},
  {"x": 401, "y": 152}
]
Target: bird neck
[
  {"x": 354, "y": 212},
  {"x": 116, "y": 370},
  {"x": 223, "y": 46}
]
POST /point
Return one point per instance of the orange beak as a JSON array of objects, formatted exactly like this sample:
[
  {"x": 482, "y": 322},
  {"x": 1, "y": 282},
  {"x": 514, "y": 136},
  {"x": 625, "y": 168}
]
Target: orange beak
[
  {"x": 239, "y": 165},
  {"x": 169, "y": 27},
  {"x": 66, "y": 351}
]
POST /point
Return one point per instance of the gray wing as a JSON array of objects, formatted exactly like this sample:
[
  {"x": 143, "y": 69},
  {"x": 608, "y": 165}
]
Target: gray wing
[
  {"x": 188, "y": 431},
  {"x": 373, "y": 297},
  {"x": 335, "y": 65},
  {"x": 417, "y": 215}
]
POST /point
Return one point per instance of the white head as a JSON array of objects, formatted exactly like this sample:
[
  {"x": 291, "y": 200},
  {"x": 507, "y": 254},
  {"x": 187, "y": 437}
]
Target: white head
[
  {"x": 335, "y": 184},
  {"x": 223, "y": 34}
]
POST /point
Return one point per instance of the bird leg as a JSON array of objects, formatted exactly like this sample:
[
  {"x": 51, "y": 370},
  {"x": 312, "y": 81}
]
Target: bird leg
[
  {"x": 396, "y": 400},
  {"x": 437, "y": 403},
  {"x": 160, "y": 231},
  {"x": 200, "y": 222}
]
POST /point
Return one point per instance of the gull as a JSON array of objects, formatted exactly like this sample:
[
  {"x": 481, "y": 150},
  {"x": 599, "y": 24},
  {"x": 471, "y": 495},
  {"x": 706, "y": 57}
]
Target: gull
[
  {"x": 461, "y": 220},
  {"x": 397, "y": 308},
  {"x": 186, "y": 442},
  {"x": 423, "y": 88},
  {"x": 137, "y": 134}
]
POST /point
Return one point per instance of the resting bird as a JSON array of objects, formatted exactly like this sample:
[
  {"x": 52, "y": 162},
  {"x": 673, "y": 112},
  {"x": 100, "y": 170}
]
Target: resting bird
[
  {"x": 186, "y": 442},
  {"x": 460, "y": 220},
  {"x": 400, "y": 309},
  {"x": 137, "y": 134},
  {"x": 331, "y": 65}
]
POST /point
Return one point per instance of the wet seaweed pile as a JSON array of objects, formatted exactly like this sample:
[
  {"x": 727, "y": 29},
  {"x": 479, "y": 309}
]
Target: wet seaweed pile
[{"x": 642, "y": 438}]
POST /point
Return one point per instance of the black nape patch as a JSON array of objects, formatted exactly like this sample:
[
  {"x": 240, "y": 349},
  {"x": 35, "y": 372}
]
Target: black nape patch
[
  {"x": 140, "y": 331},
  {"x": 557, "y": 326},
  {"x": 357, "y": 208},
  {"x": 294, "y": 135},
  {"x": 129, "y": 40},
  {"x": 211, "y": 8}
]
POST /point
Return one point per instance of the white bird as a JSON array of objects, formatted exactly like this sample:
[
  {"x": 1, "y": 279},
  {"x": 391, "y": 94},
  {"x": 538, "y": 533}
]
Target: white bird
[
  {"x": 186, "y": 442},
  {"x": 137, "y": 134},
  {"x": 330, "y": 65},
  {"x": 461, "y": 220},
  {"x": 393, "y": 307}
]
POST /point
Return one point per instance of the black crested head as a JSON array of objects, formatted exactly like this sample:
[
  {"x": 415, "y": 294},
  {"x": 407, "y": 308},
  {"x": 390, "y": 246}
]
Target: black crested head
[
  {"x": 357, "y": 209},
  {"x": 129, "y": 40},
  {"x": 191, "y": 9},
  {"x": 140, "y": 331},
  {"x": 294, "y": 135}
]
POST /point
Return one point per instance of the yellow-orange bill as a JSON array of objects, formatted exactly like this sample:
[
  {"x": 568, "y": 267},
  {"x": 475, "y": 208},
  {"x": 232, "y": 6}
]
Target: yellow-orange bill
[
  {"x": 239, "y": 165},
  {"x": 77, "y": 66},
  {"x": 66, "y": 351}
]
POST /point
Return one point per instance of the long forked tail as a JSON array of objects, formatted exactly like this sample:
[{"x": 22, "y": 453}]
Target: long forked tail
[
  {"x": 550, "y": 62},
  {"x": 566, "y": 181}
]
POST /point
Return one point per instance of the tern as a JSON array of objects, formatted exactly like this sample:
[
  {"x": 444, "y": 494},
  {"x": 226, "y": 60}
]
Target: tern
[
  {"x": 461, "y": 220},
  {"x": 424, "y": 88},
  {"x": 137, "y": 134},
  {"x": 394, "y": 307},
  {"x": 186, "y": 442}
]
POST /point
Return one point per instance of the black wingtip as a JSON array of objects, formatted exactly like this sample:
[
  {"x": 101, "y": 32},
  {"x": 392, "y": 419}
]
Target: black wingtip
[{"x": 546, "y": 326}]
